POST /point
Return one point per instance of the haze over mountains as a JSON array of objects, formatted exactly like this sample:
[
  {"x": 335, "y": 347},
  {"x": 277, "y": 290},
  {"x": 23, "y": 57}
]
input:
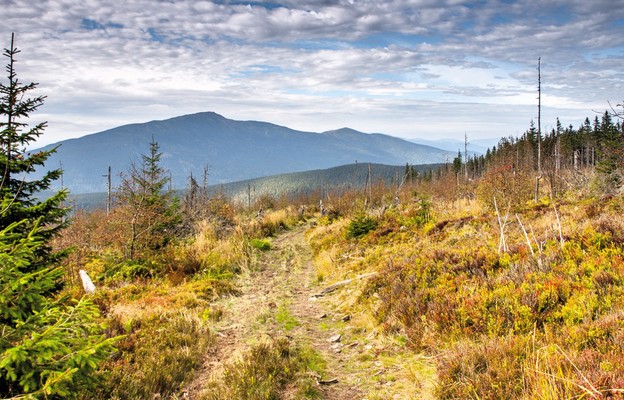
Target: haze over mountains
[{"x": 231, "y": 150}]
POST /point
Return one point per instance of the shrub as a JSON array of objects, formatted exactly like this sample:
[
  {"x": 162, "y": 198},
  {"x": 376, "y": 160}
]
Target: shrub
[
  {"x": 158, "y": 355},
  {"x": 360, "y": 226},
  {"x": 420, "y": 213},
  {"x": 492, "y": 369},
  {"x": 329, "y": 217},
  {"x": 510, "y": 188},
  {"x": 260, "y": 244},
  {"x": 133, "y": 269}
]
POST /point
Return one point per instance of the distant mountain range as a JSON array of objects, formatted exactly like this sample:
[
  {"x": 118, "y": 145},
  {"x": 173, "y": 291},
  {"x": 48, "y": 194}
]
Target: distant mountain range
[{"x": 231, "y": 150}]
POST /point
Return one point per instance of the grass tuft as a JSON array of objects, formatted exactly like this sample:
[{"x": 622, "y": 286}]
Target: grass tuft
[{"x": 268, "y": 371}]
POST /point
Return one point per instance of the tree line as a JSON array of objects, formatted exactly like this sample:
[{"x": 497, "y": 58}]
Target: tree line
[{"x": 563, "y": 157}]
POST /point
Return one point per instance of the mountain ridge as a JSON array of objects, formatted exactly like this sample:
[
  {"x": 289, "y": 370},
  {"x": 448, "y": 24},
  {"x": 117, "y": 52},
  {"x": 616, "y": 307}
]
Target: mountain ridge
[{"x": 231, "y": 150}]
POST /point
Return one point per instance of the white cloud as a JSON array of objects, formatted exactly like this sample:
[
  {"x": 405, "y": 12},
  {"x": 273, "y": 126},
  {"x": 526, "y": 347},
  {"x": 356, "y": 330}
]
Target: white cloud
[{"x": 393, "y": 66}]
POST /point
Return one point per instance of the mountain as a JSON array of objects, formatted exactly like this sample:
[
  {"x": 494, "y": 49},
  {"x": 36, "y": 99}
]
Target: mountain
[
  {"x": 352, "y": 176},
  {"x": 231, "y": 150}
]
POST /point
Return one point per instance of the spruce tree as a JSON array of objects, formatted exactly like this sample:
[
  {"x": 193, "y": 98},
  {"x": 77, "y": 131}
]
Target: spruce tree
[
  {"x": 150, "y": 209},
  {"x": 611, "y": 154},
  {"x": 457, "y": 163},
  {"x": 19, "y": 200},
  {"x": 50, "y": 345}
]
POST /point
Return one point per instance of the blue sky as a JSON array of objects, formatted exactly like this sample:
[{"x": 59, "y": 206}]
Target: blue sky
[{"x": 409, "y": 68}]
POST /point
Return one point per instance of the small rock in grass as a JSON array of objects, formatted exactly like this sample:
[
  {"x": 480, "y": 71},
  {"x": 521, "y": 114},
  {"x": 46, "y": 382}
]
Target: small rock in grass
[{"x": 335, "y": 338}]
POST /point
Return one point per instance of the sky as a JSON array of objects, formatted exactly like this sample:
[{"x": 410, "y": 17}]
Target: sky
[{"x": 427, "y": 69}]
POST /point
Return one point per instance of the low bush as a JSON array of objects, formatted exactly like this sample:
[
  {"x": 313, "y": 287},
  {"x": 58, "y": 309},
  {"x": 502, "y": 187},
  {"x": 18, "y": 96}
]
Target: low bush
[
  {"x": 484, "y": 369},
  {"x": 360, "y": 225},
  {"x": 158, "y": 355},
  {"x": 260, "y": 244},
  {"x": 511, "y": 315}
]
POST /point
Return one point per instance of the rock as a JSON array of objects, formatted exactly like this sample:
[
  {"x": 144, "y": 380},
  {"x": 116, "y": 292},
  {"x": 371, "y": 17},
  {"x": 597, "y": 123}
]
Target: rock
[{"x": 335, "y": 338}]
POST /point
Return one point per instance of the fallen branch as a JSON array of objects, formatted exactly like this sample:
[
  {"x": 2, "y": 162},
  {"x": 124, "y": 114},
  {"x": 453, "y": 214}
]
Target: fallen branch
[
  {"x": 327, "y": 382},
  {"x": 319, "y": 381},
  {"x": 340, "y": 284}
]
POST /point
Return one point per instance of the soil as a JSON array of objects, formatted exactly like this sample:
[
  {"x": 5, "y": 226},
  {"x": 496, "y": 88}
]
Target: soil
[{"x": 285, "y": 283}]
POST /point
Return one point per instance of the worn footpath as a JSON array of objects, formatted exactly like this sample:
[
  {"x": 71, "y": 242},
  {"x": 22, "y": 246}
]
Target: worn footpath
[{"x": 283, "y": 298}]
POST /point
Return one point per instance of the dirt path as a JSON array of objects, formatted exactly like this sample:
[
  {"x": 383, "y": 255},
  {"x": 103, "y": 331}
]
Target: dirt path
[{"x": 279, "y": 300}]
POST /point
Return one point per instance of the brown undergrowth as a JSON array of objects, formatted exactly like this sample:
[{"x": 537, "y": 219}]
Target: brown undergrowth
[{"x": 526, "y": 305}]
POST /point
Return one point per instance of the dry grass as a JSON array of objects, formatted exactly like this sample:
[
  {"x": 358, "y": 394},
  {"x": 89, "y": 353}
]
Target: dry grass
[
  {"x": 466, "y": 304},
  {"x": 270, "y": 369},
  {"x": 482, "y": 299}
]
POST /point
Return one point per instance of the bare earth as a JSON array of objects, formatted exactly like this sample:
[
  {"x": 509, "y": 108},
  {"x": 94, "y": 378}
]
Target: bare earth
[{"x": 279, "y": 300}]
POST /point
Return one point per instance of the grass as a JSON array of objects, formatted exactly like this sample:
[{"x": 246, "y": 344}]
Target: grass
[
  {"x": 267, "y": 371},
  {"x": 460, "y": 308},
  {"x": 157, "y": 356},
  {"x": 285, "y": 319},
  {"x": 261, "y": 244},
  {"x": 165, "y": 314}
]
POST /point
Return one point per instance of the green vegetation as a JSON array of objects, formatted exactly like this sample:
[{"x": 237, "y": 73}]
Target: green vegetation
[
  {"x": 514, "y": 298},
  {"x": 514, "y": 323},
  {"x": 284, "y": 318},
  {"x": 360, "y": 225},
  {"x": 158, "y": 354},
  {"x": 149, "y": 209},
  {"x": 260, "y": 244},
  {"x": 163, "y": 304}
]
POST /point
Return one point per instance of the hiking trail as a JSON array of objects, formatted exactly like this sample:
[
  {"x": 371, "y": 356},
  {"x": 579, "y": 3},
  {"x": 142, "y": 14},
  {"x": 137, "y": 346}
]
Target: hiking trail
[{"x": 282, "y": 298}]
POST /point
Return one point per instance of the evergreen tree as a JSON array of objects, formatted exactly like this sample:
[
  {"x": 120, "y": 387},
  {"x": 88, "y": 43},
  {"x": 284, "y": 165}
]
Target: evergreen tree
[
  {"x": 457, "y": 163},
  {"x": 410, "y": 174},
  {"x": 152, "y": 210},
  {"x": 18, "y": 200},
  {"x": 611, "y": 154},
  {"x": 49, "y": 347}
]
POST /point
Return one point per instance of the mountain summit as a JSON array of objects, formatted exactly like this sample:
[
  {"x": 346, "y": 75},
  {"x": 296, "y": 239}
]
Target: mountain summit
[{"x": 231, "y": 150}]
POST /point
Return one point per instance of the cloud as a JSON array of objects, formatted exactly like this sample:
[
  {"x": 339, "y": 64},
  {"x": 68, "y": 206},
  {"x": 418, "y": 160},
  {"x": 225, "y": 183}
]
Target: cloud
[{"x": 372, "y": 65}]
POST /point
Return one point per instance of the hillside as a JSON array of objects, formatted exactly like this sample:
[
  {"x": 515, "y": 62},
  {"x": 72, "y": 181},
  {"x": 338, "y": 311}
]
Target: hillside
[
  {"x": 464, "y": 284},
  {"x": 231, "y": 150},
  {"x": 424, "y": 299},
  {"x": 352, "y": 176},
  {"x": 345, "y": 177}
]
